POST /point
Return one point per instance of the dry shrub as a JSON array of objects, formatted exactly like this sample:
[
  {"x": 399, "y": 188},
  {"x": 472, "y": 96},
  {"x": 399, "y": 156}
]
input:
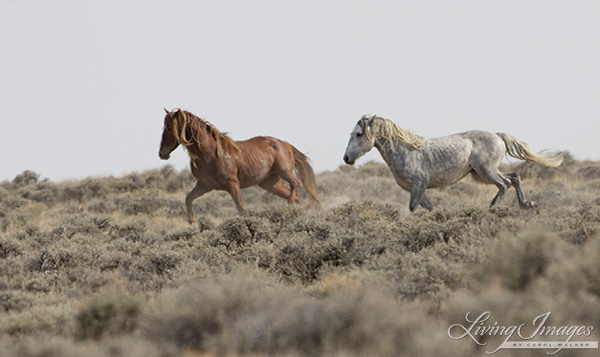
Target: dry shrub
[
  {"x": 439, "y": 226},
  {"x": 13, "y": 202},
  {"x": 590, "y": 270},
  {"x": 251, "y": 315},
  {"x": 195, "y": 316},
  {"x": 85, "y": 190},
  {"x": 150, "y": 270},
  {"x": 134, "y": 230},
  {"x": 14, "y": 300},
  {"x": 37, "y": 319},
  {"x": 52, "y": 346},
  {"x": 363, "y": 215},
  {"x": 280, "y": 216},
  {"x": 427, "y": 275},
  {"x": 300, "y": 257},
  {"x": 177, "y": 181},
  {"x": 371, "y": 181},
  {"x": 265, "y": 225},
  {"x": 49, "y": 261},
  {"x": 161, "y": 263},
  {"x": 239, "y": 231},
  {"x": 358, "y": 278},
  {"x": 102, "y": 206},
  {"x": 304, "y": 245},
  {"x": 83, "y": 224},
  {"x": 558, "y": 277},
  {"x": 10, "y": 247},
  {"x": 43, "y": 192},
  {"x": 520, "y": 259},
  {"x": 358, "y": 322},
  {"x": 47, "y": 347},
  {"x": 576, "y": 270},
  {"x": 107, "y": 314},
  {"x": 578, "y": 222},
  {"x": 588, "y": 172},
  {"x": 205, "y": 224},
  {"x": 151, "y": 205},
  {"x": 368, "y": 169},
  {"x": 182, "y": 234},
  {"x": 26, "y": 178}
]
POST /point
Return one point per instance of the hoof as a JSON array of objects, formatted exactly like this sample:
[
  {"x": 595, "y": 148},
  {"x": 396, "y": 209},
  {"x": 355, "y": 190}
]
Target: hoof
[
  {"x": 532, "y": 204},
  {"x": 528, "y": 205}
]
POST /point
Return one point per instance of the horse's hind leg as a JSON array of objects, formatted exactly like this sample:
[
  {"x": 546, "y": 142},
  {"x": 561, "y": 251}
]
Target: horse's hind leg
[
  {"x": 501, "y": 190},
  {"x": 516, "y": 181},
  {"x": 274, "y": 185},
  {"x": 288, "y": 175},
  {"x": 496, "y": 178}
]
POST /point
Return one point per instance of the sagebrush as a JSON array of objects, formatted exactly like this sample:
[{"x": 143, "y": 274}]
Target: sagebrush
[{"x": 109, "y": 266}]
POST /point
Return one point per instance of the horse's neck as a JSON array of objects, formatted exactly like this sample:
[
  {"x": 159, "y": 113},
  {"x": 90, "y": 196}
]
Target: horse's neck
[
  {"x": 203, "y": 148},
  {"x": 393, "y": 152}
]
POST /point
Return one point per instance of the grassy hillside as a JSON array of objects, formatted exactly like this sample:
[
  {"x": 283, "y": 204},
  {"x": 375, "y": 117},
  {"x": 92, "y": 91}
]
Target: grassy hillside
[{"x": 109, "y": 266}]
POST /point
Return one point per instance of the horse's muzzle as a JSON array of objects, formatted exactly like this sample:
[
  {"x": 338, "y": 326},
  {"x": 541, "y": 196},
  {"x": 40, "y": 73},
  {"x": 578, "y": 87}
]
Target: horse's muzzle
[
  {"x": 163, "y": 156},
  {"x": 347, "y": 160}
]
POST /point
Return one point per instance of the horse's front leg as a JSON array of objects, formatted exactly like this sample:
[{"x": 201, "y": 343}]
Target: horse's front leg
[
  {"x": 233, "y": 187},
  {"x": 196, "y": 192},
  {"x": 417, "y": 192},
  {"x": 426, "y": 202}
]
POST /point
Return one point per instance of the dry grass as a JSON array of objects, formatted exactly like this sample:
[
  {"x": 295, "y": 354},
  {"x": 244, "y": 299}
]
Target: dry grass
[{"x": 109, "y": 267}]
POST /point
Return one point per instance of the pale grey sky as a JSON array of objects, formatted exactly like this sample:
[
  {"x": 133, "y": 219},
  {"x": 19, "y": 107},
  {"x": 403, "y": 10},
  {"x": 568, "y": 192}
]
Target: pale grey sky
[{"x": 83, "y": 83}]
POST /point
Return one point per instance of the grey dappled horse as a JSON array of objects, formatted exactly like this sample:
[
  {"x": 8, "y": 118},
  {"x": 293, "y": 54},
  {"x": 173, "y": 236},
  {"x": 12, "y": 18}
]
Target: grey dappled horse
[{"x": 418, "y": 163}]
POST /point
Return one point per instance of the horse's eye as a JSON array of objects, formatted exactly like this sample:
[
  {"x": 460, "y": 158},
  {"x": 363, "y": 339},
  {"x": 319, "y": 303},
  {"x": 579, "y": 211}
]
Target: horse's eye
[{"x": 359, "y": 133}]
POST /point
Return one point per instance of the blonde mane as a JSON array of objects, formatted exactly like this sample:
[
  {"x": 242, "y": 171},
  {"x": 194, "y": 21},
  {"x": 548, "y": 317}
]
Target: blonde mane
[
  {"x": 183, "y": 119},
  {"x": 390, "y": 132}
]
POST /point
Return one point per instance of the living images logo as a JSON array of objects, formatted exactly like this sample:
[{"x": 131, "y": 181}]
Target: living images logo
[{"x": 539, "y": 334}]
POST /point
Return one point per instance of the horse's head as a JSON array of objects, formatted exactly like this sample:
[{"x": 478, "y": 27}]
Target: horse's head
[
  {"x": 361, "y": 140},
  {"x": 170, "y": 136}
]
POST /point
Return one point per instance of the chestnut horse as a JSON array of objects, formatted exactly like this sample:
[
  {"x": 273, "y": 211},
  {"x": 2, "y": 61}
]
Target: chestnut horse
[{"x": 221, "y": 163}]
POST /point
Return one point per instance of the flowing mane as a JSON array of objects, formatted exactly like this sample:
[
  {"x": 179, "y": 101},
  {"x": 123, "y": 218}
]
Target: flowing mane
[
  {"x": 184, "y": 119},
  {"x": 390, "y": 132}
]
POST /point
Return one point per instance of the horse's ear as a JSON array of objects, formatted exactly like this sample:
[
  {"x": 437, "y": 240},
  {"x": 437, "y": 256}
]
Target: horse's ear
[
  {"x": 166, "y": 111},
  {"x": 371, "y": 119}
]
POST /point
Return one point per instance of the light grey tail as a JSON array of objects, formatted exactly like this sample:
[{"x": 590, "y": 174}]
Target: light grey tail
[{"x": 521, "y": 150}]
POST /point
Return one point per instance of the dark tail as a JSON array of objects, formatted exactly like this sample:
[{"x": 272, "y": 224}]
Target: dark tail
[{"x": 307, "y": 176}]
